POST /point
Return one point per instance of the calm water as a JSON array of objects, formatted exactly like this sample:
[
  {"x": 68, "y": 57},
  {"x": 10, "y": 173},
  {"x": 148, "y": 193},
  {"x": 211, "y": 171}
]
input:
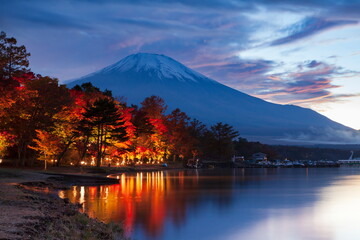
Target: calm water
[{"x": 250, "y": 204}]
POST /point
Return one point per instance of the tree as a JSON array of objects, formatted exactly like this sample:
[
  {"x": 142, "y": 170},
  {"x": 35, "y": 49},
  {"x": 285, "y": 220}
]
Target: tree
[
  {"x": 33, "y": 109},
  {"x": 6, "y": 140},
  {"x": 47, "y": 144},
  {"x": 220, "y": 140},
  {"x": 104, "y": 121},
  {"x": 84, "y": 95},
  {"x": 66, "y": 123},
  {"x": 155, "y": 145},
  {"x": 197, "y": 131},
  {"x": 154, "y": 107},
  {"x": 150, "y": 135},
  {"x": 179, "y": 136},
  {"x": 13, "y": 62}
]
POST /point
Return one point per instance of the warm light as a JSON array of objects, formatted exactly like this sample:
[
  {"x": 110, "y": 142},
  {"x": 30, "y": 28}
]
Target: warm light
[{"x": 0, "y": 160}]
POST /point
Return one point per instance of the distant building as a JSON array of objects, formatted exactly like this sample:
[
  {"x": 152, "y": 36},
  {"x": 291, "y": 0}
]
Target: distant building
[
  {"x": 259, "y": 157},
  {"x": 237, "y": 158}
]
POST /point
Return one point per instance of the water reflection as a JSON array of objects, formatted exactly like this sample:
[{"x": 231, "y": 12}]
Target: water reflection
[{"x": 229, "y": 204}]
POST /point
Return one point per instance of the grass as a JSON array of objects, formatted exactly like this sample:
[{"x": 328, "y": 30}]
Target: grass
[{"x": 80, "y": 226}]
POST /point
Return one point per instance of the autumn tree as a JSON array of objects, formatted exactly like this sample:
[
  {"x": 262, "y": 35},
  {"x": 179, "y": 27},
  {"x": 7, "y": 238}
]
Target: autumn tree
[
  {"x": 120, "y": 149},
  {"x": 66, "y": 124},
  {"x": 103, "y": 119},
  {"x": 78, "y": 134},
  {"x": 14, "y": 72},
  {"x": 47, "y": 144},
  {"x": 6, "y": 140},
  {"x": 155, "y": 141},
  {"x": 33, "y": 109},
  {"x": 180, "y": 140}
]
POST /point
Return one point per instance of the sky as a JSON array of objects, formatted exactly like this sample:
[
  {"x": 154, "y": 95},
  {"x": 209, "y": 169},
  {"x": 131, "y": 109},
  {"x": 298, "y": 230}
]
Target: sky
[{"x": 301, "y": 52}]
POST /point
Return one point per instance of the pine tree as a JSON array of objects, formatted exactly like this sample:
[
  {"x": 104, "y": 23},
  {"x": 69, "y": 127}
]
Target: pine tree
[
  {"x": 104, "y": 121},
  {"x": 221, "y": 138},
  {"x": 13, "y": 62}
]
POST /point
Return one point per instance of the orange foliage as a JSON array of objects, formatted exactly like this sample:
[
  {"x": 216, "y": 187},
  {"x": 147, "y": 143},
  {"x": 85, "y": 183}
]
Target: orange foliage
[{"x": 46, "y": 143}]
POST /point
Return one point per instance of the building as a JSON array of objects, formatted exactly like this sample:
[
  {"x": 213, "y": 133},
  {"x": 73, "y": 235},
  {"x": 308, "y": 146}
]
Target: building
[{"x": 259, "y": 157}]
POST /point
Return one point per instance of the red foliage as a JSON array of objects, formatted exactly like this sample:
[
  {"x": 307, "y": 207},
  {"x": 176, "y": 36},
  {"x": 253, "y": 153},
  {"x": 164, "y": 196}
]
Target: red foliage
[
  {"x": 159, "y": 125},
  {"x": 127, "y": 117},
  {"x": 25, "y": 78}
]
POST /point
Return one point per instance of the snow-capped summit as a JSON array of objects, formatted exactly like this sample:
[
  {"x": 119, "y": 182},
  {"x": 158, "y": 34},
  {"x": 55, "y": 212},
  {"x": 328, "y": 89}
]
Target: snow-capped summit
[
  {"x": 141, "y": 75},
  {"x": 160, "y": 66}
]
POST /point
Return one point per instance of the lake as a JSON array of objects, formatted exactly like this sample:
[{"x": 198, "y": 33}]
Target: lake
[{"x": 250, "y": 204}]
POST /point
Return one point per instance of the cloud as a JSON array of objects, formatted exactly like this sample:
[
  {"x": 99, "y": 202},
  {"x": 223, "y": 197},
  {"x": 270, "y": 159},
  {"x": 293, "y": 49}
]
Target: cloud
[
  {"x": 308, "y": 27},
  {"x": 35, "y": 16},
  {"x": 235, "y": 5},
  {"x": 325, "y": 136},
  {"x": 313, "y": 64},
  {"x": 309, "y": 84},
  {"x": 237, "y": 71},
  {"x": 149, "y": 23}
]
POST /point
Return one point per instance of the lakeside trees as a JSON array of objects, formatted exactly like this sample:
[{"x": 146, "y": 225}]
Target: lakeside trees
[
  {"x": 42, "y": 119},
  {"x": 32, "y": 107}
]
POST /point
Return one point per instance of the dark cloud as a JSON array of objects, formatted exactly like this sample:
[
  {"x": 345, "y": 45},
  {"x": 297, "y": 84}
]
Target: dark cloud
[
  {"x": 37, "y": 16},
  {"x": 313, "y": 64},
  {"x": 309, "y": 27}
]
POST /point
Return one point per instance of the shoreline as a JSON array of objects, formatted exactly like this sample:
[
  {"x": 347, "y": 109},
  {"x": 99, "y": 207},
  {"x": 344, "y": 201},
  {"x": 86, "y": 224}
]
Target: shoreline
[{"x": 32, "y": 209}]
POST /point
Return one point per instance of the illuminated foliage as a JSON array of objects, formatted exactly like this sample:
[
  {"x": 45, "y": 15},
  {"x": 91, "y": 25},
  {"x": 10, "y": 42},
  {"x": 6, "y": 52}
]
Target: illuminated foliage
[
  {"x": 151, "y": 130},
  {"x": 33, "y": 107},
  {"x": 47, "y": 144},
  {"x": 180, "y": 140},
  {"x": 6, "y": 140}
]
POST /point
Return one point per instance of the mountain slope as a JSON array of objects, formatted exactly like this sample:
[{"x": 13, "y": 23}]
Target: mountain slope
[{"x": 141, "y": 75}]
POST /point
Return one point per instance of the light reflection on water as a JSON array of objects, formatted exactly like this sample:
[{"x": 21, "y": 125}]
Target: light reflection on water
[{"x": 277, "y": 204}]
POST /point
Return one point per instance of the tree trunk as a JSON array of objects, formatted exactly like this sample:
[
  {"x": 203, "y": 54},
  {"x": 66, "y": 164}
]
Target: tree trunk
[
  {"x": 17, "y": 162},
  {"x": 62, "y": 154},
  {"x": 98, "y": 160},
  {"x": 45, "y": 163},
  {"x": 22, "y": 155}
]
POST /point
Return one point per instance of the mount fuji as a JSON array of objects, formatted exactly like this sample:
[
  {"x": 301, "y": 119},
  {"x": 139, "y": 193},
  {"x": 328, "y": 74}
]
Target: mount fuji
[{"x": 141, "y": 75}]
